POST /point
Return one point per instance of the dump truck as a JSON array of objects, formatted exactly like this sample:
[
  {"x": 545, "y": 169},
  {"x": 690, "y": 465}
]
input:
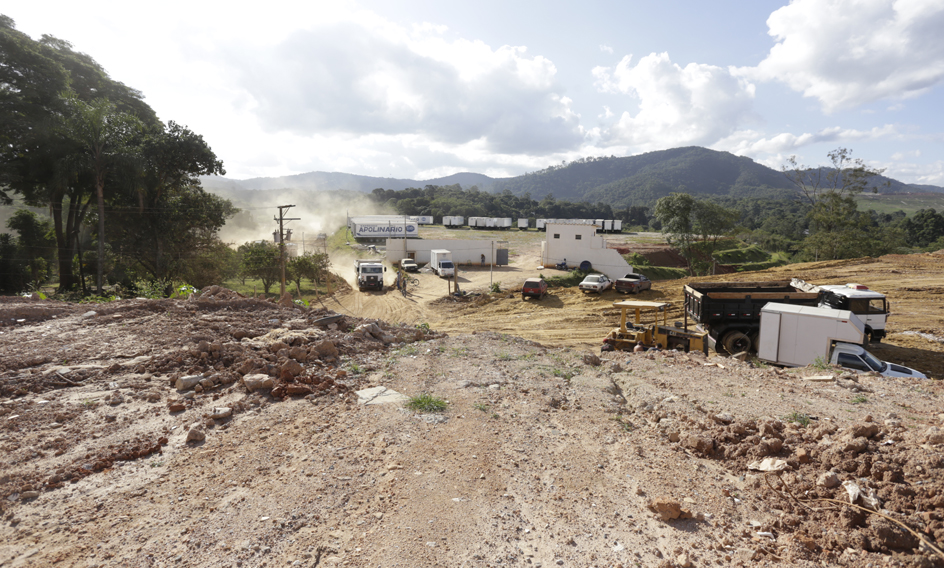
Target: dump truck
[
  {"x": 369, "y": 274},
  {"x": 872, "y": 307},
  {"x": 730, "y": 311},
  {"x": 796, "y": 336},
  {"x": 629, "y": 333}
]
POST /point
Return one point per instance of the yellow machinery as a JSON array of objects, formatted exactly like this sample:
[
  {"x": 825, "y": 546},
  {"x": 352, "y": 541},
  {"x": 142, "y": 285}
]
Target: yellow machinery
[{"x": 628, "y": 334}]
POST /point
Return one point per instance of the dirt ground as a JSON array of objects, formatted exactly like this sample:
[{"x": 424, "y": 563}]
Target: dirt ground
[{"x": 227, "y": 431}]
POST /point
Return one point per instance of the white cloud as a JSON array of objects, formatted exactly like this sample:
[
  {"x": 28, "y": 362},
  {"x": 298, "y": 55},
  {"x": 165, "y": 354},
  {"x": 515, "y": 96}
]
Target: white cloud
[
  {"x": 847, "y": 53},
  {"x": 923, "y": 174},
  {"x": 752, "y": 143},
  {"x": 353, "y": 79},
  {"x": 606, "y": 48},
  {"x": 695, "y": 104}
]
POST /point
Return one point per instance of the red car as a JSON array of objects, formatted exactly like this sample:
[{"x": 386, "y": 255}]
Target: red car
[{"x": 534, "y": 287}]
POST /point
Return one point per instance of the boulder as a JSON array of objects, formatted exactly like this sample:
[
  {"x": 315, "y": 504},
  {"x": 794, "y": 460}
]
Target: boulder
[
  {"x": 934, "y": 435},
  {"x": 704, "y": 445}
]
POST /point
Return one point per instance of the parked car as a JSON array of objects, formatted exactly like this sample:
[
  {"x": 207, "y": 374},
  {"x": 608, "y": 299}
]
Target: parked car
[
  {"x": 409, "y": 265},
  {"x": 595, "y": 283},
  {"x": 534, "y": 287},
  {"x": 632, "y": 284}
]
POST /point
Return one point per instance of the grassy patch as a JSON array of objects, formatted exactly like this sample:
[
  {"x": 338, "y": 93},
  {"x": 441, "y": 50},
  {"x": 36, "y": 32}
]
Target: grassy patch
[
  {"x": 426, "y": 403},
  {"x": 661, "y": 272},
  {"x": 480, "y": 406},
  {"x": 859, "y": 399},
  {"x": 798, "y": 418},
  {"x": 820, "y": 364}
]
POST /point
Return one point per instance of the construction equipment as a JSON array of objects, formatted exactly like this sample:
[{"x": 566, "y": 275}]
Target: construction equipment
[{"x": 628, "y": 334}]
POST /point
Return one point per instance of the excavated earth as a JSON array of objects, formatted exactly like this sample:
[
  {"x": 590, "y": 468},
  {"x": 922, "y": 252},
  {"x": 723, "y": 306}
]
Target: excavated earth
[{"x": 228, "y": 431}]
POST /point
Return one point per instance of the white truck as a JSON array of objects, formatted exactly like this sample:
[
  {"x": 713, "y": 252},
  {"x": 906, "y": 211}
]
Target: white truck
[
  {"x": 440, "y": 260},
  {"x": 369, "y": 274},
  {"x": 794, "y": 336},
  {"x": 871, "y": 307}
]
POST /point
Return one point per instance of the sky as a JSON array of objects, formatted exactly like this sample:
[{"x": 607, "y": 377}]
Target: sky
[{"x": 421, "y": 89}]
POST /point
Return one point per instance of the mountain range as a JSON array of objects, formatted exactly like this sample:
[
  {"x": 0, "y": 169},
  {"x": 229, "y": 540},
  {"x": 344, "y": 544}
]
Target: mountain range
[{"x": 619, "y": 181}]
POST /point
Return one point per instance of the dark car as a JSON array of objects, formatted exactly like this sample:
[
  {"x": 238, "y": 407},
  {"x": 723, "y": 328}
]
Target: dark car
[
  {"x": 632, "y": 284},
  {"x": 534, "y": 287}
]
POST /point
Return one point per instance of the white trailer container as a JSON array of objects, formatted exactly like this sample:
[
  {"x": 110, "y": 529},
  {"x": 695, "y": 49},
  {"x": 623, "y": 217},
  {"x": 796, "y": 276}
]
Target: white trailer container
[
  {"x": 617, "y": 225},
  {"x": 539, "y": 224},
  {"x": 523, "y": 224},
  {"x": 795, "y": 336},
  {"x": 440, "y": 260},
  {"x": 504, "y": 222},
  {"x": 422, "y": 219},
  {"x": 491, "y": 222},
  {"x": 608, "y": 226}
]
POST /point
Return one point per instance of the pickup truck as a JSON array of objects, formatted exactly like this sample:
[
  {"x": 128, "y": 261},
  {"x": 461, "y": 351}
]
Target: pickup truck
[
  {"x": 595, "y": 283},
  {"x": 409, "y": 265},
  {"x": 632, "y": 284}
]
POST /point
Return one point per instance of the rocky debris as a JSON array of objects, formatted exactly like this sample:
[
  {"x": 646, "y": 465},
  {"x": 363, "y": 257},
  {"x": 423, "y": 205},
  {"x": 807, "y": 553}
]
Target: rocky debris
[
  {"x": 591, "y": 359},
  {"x": 196, "y": 433},
  {"x": 668, "y": 509},
  {"x": 723, "y": 418},
  {"x": 934, "y": 435},
  {"x": 704, "y": 445}
]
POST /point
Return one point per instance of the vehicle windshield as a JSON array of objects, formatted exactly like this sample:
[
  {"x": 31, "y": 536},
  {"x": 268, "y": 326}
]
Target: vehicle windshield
[
  {"x": 591, "y": 279},
  {"x": 873, "y": 363},
  {"x": 372, "y": 270},
  {"x": 445, "y": 264}
]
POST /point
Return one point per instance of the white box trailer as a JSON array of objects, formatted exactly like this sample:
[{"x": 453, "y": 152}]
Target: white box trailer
[
  {"x": 608, "y": 226},
  {"x": 491, "y": 222},
  {"x": 503, "y": 222},
  {"x": 523, "y": 223},
  {"x": 795, "y": 335},
  {"x": 617, "y": 225},
  {"x": 539, "y": 224}
]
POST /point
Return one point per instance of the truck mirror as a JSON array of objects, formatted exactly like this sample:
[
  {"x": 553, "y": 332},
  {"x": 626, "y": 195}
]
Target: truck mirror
[{"x": 385, "y": 268}]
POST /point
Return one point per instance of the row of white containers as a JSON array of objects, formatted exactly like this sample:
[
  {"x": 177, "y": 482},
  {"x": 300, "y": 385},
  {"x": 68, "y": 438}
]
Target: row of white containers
[
  {"x": 603, "y": 225},
  {"x": 490, "y": 222}
]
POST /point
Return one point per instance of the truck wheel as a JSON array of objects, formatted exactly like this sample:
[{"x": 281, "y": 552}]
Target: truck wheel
[
  {"x": 736, "y": 342},
  {"x": 876, "y": 338}
]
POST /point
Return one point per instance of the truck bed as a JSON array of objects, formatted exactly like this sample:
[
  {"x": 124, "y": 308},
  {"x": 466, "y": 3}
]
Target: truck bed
[{"x": 725, "y": 303}]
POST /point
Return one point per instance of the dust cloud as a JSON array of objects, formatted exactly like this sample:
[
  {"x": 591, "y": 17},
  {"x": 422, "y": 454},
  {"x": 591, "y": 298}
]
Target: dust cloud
[{"x": 316, "y": 211}]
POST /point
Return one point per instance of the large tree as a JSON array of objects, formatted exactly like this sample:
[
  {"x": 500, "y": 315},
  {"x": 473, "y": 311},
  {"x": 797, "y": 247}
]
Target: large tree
[
  {"x": 105, "y": 139},
  {"x": 844, "y": 176},
  {"x": 261, "y": 260},
  {"x": 36, "y": 159}
]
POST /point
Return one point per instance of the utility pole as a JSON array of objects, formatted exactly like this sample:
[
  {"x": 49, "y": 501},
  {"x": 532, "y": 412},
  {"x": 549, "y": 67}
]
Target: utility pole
[{"x": 282, "y": 219}]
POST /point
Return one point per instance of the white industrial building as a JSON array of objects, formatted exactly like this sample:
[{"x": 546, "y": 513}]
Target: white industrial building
[
  {"x": 579, "y": 242},
  {"x": 463, "y": 251}
]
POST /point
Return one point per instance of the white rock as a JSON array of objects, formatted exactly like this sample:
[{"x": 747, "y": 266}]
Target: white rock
[
  {"x": 828, "y": 480},
  {"x": 196, "y": 433},
  {"x": 188, "y": 382},
  {"x": 220, "y": 413},
  {"x": 257, "y": 381}
]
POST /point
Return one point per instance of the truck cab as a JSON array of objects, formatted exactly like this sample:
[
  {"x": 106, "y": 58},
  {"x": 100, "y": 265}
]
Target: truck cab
[
  {"x": 369, "y": 274},
  {"x": 870, "y": 306}
]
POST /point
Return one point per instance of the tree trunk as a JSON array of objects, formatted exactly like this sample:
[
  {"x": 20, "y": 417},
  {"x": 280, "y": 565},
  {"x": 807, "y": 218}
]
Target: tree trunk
[
  {"x": 100, "y": 194},
  {"x": 63, "y": 254}
]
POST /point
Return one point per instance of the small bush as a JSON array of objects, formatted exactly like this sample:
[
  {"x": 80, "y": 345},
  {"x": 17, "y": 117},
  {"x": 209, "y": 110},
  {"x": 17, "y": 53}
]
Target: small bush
[
  {"x": 426, "y": 403},
  {"x": 496, "y": 287}
]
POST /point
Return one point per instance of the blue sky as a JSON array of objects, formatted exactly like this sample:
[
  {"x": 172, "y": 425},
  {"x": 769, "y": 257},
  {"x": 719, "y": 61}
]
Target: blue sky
[{"x": 420, "y": 89}]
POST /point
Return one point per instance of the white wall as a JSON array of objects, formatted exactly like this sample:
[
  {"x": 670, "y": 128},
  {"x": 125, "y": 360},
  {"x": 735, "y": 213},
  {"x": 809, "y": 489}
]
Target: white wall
[
  {"x": 463, "y": 251},
  {"x": 589, "y": 246}
]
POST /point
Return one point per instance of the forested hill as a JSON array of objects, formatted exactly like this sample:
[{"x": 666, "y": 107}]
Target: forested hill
[
  {"x": 620, "y": 182},
  {"x": 646, "y": 177}
]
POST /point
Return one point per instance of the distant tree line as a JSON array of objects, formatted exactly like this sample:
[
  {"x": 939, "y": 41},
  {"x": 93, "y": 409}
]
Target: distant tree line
[{"x": 121, "y": 187}]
